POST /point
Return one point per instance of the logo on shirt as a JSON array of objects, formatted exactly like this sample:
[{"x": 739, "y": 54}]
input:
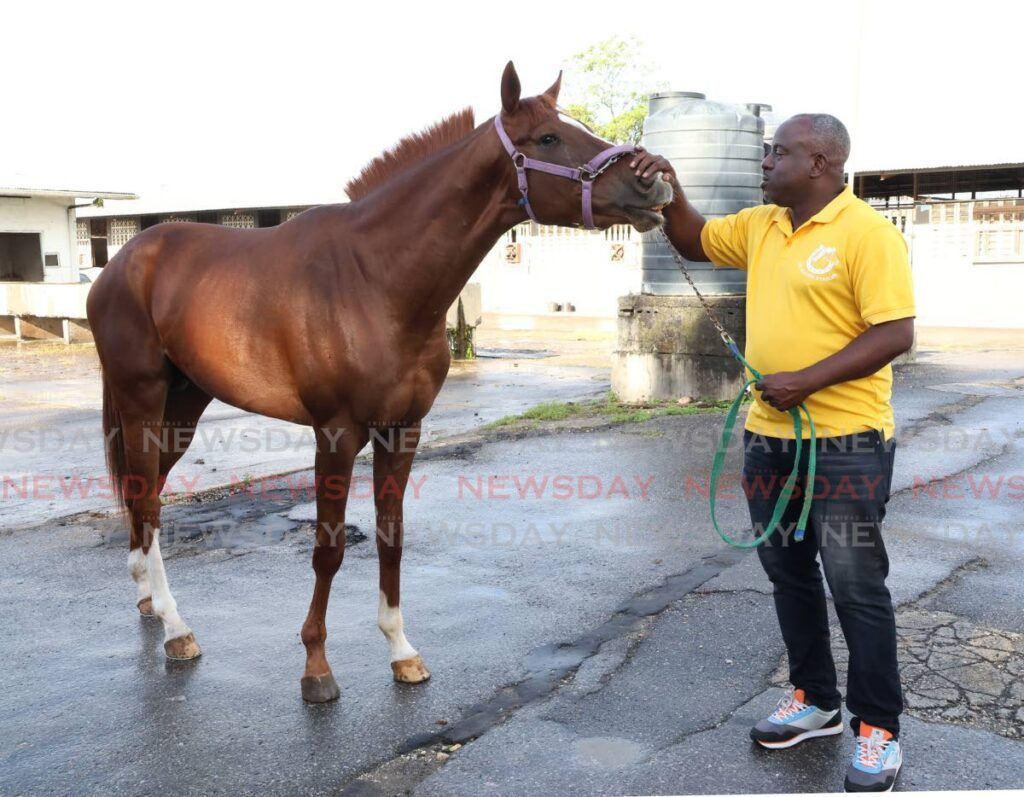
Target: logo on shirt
[{"x": 821, "y": 264}]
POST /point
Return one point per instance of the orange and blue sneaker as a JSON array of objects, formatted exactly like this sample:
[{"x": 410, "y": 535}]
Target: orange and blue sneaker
[
  {"x": 794, "y": 720},
  {"x": 877, "y": 761}
]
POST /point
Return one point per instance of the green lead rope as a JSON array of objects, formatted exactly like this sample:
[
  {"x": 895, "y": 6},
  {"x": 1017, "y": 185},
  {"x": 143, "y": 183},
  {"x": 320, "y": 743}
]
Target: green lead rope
[{"x": 787, "y": 490}]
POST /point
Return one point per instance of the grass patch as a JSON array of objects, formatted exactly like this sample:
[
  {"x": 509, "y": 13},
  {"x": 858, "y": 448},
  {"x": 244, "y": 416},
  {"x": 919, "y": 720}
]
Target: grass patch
[{"x": 610, "y": 408}]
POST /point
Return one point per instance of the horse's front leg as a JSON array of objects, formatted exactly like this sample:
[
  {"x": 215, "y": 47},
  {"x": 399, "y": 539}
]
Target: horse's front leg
[
  {"x": 337, "y": 446},
  {"x": 393, "y": 453}
]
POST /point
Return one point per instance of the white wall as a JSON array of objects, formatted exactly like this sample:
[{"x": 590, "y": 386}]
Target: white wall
[
  {"x": 560, "y": 265},
  {"x": 44, "y": 300},
  {"x": 50, "y": 218},
  {"x": 956, "y": 287}
]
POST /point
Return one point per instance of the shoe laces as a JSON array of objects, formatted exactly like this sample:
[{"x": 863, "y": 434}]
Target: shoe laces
[
  {"x": 870, "y": 748},
  {"x": 788, "y": 706}
]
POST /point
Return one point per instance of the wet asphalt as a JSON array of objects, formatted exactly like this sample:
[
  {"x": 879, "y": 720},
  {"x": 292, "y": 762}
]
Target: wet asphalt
[{"x": 595, "y": 640}]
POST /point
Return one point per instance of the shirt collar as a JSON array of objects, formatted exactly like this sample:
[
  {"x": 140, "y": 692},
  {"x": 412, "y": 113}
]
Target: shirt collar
[
  {"x": 835, "y": 207},
  {"x": 827, "y": 214}
]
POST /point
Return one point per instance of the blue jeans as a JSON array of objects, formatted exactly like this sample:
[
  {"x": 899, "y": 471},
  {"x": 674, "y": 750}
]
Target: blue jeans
[{"x": 852, "y": 484}]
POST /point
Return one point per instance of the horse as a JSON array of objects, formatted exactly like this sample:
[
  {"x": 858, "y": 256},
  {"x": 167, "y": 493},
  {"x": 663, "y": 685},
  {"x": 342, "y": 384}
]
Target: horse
[{"x": 334, "y": 319}]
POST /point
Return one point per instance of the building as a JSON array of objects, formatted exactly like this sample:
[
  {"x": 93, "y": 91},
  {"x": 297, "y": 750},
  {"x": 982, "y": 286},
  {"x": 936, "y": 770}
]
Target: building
[
  {"x": 40, "y": 281},
  {"x": 534, "y": 269},
  {"x": 964, "y": 227},
  {"x": 102, "y": 231}
]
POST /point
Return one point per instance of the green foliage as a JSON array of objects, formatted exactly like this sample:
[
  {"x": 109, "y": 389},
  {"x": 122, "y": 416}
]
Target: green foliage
[
  {"x": 609, "y": 407},
  {"x": 607, "y": 86}
]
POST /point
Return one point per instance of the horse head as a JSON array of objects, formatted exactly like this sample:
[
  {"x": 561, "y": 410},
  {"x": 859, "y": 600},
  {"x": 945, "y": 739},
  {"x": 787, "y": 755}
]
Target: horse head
[{"x": 546, "y": 147}]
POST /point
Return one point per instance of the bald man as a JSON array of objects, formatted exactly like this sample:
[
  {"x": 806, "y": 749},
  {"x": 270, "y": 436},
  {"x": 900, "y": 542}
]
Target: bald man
[{"x": 829, "y": 306}]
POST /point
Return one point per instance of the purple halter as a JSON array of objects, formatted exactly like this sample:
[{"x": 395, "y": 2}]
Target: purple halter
[{"x": 585, "y": 174}]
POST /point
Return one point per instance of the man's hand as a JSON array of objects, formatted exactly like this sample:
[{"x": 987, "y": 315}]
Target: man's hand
[
  {"x": 682, "y": 221},
  {"x": 647, "y": 166},
  {"x": 784, "y": 390}
]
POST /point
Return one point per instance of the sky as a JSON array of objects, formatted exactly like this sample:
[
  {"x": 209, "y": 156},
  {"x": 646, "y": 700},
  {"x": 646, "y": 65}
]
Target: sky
[{"x": 285, "y": 101}]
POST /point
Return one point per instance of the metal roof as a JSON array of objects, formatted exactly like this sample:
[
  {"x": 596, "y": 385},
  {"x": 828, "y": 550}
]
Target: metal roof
[
  {"x": 239, "y": 199},
  {"x": 950, "y": 168},
  {"x": 64, "y": 193}
]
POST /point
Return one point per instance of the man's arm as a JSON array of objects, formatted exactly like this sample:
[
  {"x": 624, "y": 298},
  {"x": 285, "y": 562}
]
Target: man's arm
[
  {"x": 869, "y": 352},
  {"x": 682, "y": 221}
]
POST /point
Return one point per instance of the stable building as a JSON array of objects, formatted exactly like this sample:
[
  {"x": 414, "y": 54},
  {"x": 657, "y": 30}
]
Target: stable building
[
  {"x": 40, "y": 280},
  {"x": 964, "y": 227}
]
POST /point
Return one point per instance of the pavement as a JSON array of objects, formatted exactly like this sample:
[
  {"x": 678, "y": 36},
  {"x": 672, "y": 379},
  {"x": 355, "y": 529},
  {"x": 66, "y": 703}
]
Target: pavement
[{"x": 587, "y": 634}]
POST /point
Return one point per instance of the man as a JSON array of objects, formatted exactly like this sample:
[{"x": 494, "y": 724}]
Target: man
[{"x": 829, "y": 306}]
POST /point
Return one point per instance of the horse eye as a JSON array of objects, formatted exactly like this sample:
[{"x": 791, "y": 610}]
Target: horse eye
[{"x": 549, "y": 139}]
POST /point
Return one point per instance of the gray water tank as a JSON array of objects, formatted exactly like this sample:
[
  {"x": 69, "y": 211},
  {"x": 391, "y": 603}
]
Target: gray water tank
[{"x": 717, "y": 151}]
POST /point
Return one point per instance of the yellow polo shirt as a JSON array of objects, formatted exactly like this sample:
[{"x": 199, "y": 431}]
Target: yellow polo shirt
[{"x": 809, "y": 293}]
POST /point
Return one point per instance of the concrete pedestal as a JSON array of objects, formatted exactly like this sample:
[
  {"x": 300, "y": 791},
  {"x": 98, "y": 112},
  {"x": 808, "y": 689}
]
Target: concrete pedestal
[{"x": 667, "y": 348}]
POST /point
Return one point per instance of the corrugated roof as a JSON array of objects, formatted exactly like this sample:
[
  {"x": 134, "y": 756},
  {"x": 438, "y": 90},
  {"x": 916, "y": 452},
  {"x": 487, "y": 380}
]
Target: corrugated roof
[{"x": 909, "y": 169}]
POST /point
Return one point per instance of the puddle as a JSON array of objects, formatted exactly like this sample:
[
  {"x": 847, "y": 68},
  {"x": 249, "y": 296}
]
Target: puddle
[{"x": 607, "y": 751}]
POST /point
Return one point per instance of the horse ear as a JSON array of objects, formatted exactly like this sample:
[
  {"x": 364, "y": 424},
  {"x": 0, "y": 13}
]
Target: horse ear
[
  {"x": 510, "y": 88},
  {"x": 552, "y": 93}
]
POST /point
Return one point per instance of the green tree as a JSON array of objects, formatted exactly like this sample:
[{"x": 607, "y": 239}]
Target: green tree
[{"x": 607, "y": 86}]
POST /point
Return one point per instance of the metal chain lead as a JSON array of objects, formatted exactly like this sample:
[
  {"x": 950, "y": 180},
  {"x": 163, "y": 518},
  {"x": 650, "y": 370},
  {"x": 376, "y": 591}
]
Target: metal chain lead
[{"x": 682, "y": 266}]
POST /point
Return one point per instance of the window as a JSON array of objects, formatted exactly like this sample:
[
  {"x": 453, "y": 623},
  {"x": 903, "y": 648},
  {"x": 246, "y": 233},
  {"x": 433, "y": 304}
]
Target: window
[
  {"x": 121, "y": 231},
  {"x": 21, "y": 256}
]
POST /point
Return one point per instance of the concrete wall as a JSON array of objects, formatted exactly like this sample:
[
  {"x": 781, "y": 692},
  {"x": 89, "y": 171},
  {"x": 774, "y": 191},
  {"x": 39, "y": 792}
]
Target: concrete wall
[
  {"x": 958, "y": 285},
  {"x": 43, "y": 300},
  {"x": 560, "y": 266},
  {"x": 51, "y": 219}
]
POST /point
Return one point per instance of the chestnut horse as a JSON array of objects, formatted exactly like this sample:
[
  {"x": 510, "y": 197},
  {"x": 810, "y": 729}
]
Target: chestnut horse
[{"x": 336, "y": 320}]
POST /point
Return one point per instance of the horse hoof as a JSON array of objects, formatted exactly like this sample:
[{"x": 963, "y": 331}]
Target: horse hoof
[
  {"x": 410, "y": 671},
  {"x": 146, "y": 607},
  {"x": 184, "y": 648},
  {"x": 320, "y": 688}
]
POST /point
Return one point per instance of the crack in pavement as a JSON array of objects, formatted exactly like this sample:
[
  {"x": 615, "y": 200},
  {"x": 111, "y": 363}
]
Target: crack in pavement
[
  {"x": 548, "y": 667},
  {"x": 922, "y": 486},
  {"x": 940, "y": 416},
  {"x": 952, "y": 671}
]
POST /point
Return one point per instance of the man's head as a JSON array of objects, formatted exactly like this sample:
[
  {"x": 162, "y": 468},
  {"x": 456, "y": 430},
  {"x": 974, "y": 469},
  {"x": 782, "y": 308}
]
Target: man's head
[{"x": 807, "y": 158}]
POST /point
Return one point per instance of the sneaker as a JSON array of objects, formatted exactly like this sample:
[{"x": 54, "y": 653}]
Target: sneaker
[
  {"x": 877, "y": 761},
  {"x": 793, "y": 721}
]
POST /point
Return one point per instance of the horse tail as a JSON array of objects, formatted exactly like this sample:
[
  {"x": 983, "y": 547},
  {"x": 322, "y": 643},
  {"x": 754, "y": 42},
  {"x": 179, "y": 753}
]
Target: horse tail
[{"x": 113, "y": 437}]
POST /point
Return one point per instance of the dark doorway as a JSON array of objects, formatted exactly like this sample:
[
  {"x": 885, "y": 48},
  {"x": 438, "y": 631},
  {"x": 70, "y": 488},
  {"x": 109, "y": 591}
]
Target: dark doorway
[
  {"x": 146, "y": 222},
  {"x": 21, "y": 257},
  {"x": 268, "y": 218},
  {"x": 98, "y": 236}
]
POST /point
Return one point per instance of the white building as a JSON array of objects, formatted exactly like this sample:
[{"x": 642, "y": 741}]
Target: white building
[
  {"x": 40, "y": 280},
  {"x": 964, "y": 227}
]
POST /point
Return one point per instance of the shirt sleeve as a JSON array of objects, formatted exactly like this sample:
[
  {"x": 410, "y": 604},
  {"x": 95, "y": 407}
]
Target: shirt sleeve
[
  {"x": 880, "y": 271},
  {"x": 726, "y": 241}
]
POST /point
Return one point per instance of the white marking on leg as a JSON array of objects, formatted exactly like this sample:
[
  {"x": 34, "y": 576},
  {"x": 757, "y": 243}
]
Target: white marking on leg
[
  {"x": 164, "y": 605},
  {"x": 389, "y": 620},
  {"x": 137, "y": 570}
]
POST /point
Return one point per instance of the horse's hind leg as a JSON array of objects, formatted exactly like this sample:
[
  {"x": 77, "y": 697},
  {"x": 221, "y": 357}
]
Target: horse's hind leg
[
  {"x": 184, "y": 406},
  {"x": 137, "y": 382}
]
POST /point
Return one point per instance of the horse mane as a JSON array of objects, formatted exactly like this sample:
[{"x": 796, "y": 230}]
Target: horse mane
[{"x": 409, "y": 150}]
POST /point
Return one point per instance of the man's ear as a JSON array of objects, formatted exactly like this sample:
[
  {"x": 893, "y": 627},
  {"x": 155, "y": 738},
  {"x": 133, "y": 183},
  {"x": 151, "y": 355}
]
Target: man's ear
[{"x": 819, "y": 165}]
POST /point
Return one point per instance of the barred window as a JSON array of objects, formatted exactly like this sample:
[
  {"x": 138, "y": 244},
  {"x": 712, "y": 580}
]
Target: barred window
[
  {"x": 238, "y": 220},
  {"x": 122, "y": 230}
]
